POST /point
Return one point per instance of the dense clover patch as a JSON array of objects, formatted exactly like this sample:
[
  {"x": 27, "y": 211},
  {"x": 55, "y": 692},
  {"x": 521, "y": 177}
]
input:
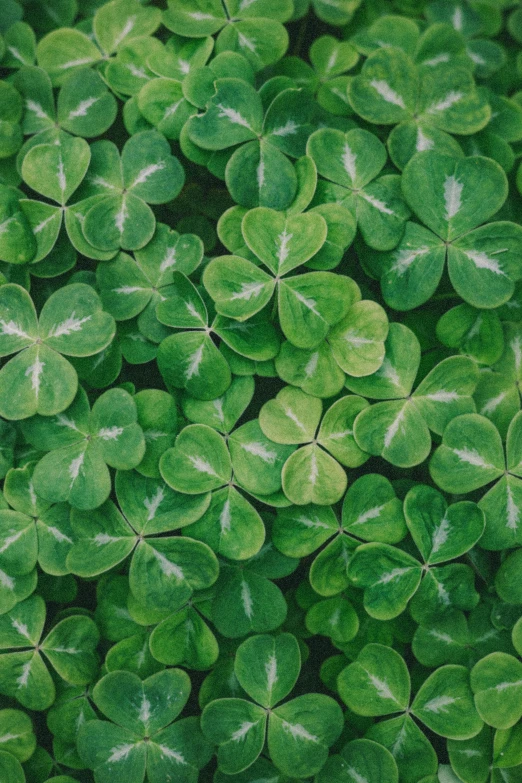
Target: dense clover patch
[{"x": 260, "y": 391}]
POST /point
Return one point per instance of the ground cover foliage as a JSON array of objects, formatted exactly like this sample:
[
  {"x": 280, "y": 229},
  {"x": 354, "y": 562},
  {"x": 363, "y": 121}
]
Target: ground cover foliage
[{"x": 260, "y": 426}]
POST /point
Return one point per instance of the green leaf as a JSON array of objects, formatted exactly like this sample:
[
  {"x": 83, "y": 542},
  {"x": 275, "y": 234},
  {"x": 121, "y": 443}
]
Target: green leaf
[
  {"x": 444, "y": 703},
  {"x": 238, "y": 727},
  {"x": 301, "y": 731},
  {"x": 199, "y": 461},
  {"x": 377, "y": 683},
  {"x": 452, "y": 196},
  {"x": 56, "y": 170},
  {"x": 267, "y": 667},
  {"x": 374, "y": 565},
  {"x": 440, "y": 532},
  {"x": 372, "y": 511},
  {"x": 73, "y": 322},
  {"x": 37, "y": 380},
  {"x": 363, "y": 759},
  {"x": 283, "y": 243},
  {"x": 470, "y": 456},
  {"x": 234, "y": 115}
]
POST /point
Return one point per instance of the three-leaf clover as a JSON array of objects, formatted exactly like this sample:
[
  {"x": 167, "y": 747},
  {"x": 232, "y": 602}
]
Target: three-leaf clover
[
  {"x": 350, "y": 164},
  {"x": 299, "y": 732},
  {"x": 453, "y": 196},
  {"x": 472, "y": 455},
  {"x": 81, "y": 443},
  {"x": 38, "y": 379},
  {"x": 121, "y": 189},
  {"x": 254, "y": 29},
  {"x": 399, "y": 429},
  {"x": 258, "y": 172},
  {"x": 312, "y": 474},
  {"x": 308, "y": 304},
  {"x": 69, "y": 647},
  {"x": 378, "y": 684},
  {"x": 164, "y": 570},
  {"x": 142, "y": 735},
  {"x": 191, "y": 360},
  {"x": 390, "y": 576}
]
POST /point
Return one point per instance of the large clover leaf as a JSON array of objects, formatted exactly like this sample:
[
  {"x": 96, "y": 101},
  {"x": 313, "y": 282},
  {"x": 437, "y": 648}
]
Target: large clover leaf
[
  {"x": 312, "y": 474},
  {"x": 69, "y": 647},
  {"x": 350, "y": 163},
  {"x": 422, "y": 102},
  {"x": 254, "y": 30},
  {"x": 399, "y": 430},
  {"x": 470, "y": 457},
  {"x": 38, "y": 379},
  {"x": 441, "y": 533},
  {"x": 299, "y": 732},
  {"x": 191, "y": 360},
  {"x": 258, "y": 172},
  {"x": 81, "y": 443},
  {"x": 451, "y": 197},
  {"x": 118, "y": 190},
  {"x": 140, "y": 736},
  {"x": 164, "y": 570}
]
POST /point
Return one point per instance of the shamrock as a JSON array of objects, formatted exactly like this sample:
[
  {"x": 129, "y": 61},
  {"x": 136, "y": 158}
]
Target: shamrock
[
  {"x": 71, "y": 322},
  {"x": 17, "y": 242},
  {"x": 64, "y": 51},
  {"x": 246, "y": 599},
  {"x": 483, "y": 263},
  {"x": 441, "y": 533},
  {"x": 330, "y": 59},
  {"x": 308, "y": 304},
  {"x": 424, "y": 103},
  {"x": 350, "y": 163},
  {"x": 378, "y": 684},
  {"x": 140, "y": 736},
  {"x": 399, "y": 430},
  {"x": 312, "y": 474},
  {"x": 69, "y": 647},
  {"x": 254, "y": 30},
  {"x": 190, "y": 360},
  {"x": 118, "y": 190},
  {"x": 133, "y": 286},
  {"x": 85, "y": 107},
  {"x": 299, "y": 732},
  {"x": 202, "y": 461},
  {"x": 471, "y": 455},
  {"x": 258, "y": 172},
  {"x": 371, "y": 511},
  {"x": 164, "y": 570},
  {"x": 81, "y": 443}
]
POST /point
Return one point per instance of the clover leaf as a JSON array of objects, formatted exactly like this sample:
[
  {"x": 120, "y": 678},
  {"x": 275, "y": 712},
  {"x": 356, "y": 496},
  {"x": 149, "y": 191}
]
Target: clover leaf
[
  {"x": 441, "y": 533},
  {"x": 471, "y": 455},
  {"x": 120, "y": 215},
  {"x": 202, "y": 461},
  {"x": 71, "y": 322},
  {"x": 350, "y": 163},
  {"x": 164, "y": 570},
  {"x": 190, "y": 360},
  {"x": 142, "y": 735},
  {"x": 80, "y": 443},
  {"x": 378, "y": 683},
  {"x": 254, "y": 30},
  {"x": 299, "y": 732},
  {"x": 399, "y": 430},
  {"x": 235, "y": 116},
  {"x": 69, "y": 647},
  {"x": 440, "y": 190}
]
